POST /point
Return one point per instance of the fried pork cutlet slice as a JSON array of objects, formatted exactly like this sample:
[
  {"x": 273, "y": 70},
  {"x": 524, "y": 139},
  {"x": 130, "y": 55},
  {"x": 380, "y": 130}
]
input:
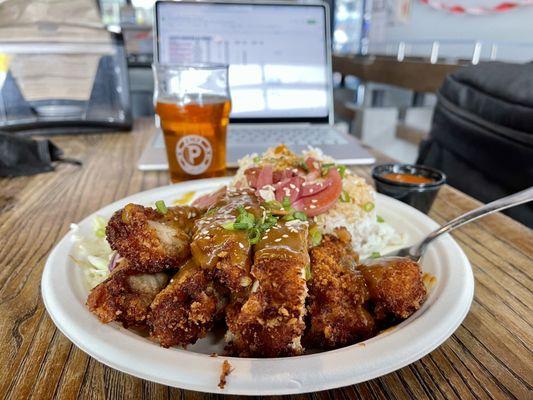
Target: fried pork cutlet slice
[
  {"x": 152, "y": 241},
  {"x": 223, "y": 250},
  {"x": 126, "y": 295},
  {"x": 187, "y": 308},
  {"x": 396, "y": 287},
  {"x": 270, "y": 323},
  {"x": 337, "y": 314}
]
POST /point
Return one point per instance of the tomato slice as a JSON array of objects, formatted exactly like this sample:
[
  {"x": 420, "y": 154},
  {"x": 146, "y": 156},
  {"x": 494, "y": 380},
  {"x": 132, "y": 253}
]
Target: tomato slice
[
  {"x": 290, "y": 188},
  {"x": 321, "y": 202},
  {"x": 207, "y": 200},
  {"x": 312, "y": 188}
]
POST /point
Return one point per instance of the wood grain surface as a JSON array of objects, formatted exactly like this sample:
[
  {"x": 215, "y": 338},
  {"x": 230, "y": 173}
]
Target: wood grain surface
[{"x": 489, "y": 356}]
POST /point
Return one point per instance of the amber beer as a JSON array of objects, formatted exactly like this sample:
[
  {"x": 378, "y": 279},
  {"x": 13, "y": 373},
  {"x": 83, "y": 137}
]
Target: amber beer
[
  {"x": 193, "y": 104},
  {"x": 195, "y": 136}
]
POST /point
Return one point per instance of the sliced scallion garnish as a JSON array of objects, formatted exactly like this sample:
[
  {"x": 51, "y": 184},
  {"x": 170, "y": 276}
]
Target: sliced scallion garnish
[
  {"x": 300, "y": 215},
  {"x": 308, "y": 274},
  {"x": 344, "y": 197},
  {"x": 229, "y": 226},
  {"x": 368, "y": 206},
  {"x": 254, "y": 235},
  {"x": 161, "y": 206},
  {"x": 316, "y": 236},
  {"x": 303, "y": 166}
]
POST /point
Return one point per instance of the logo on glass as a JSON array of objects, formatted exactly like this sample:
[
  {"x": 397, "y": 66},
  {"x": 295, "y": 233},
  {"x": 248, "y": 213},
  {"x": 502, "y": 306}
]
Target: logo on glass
[{"x": 194, "y": 154}]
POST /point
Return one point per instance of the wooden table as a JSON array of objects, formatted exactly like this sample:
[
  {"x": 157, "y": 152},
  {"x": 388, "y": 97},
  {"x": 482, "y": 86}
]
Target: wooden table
[{"x": 488, "y": 356}]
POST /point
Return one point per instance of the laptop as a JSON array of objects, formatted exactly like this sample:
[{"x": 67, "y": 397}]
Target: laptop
[{"x": 280, "y": 75}]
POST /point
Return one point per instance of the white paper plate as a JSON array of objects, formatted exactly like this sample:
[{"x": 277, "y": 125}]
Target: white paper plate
[{"x": 64, "y": 293}]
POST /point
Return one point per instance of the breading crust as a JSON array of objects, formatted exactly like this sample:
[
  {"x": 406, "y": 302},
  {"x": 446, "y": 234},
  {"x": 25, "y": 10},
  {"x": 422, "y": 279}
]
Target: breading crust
[
  {"x": 187, "y": 308},
  {"x": 396, "y": 288},
  {"x": 125, "y": 296},
  {"x": 149, "y": 240},
  {"x": 337, "y": 314},
  {"x": 270, "y": 322}
]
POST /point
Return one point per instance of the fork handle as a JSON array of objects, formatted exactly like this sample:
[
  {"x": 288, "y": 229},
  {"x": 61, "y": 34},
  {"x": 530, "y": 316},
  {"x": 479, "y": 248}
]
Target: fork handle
[{"x": 501, "y": 204}]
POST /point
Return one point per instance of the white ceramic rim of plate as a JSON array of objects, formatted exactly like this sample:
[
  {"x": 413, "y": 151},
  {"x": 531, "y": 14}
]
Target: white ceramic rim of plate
[{"x": 127, "y": 352}]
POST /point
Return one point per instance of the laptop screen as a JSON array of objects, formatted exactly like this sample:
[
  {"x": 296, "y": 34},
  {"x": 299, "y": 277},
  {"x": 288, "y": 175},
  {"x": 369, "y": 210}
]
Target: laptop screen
[{"x": 277, "y": 54}]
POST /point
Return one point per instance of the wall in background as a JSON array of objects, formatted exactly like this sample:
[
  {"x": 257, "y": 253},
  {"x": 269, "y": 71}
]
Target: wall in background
[{"x": 457, "y": 33}]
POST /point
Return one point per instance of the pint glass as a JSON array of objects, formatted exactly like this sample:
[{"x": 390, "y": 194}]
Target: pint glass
[{"x": 192, "y": 104}]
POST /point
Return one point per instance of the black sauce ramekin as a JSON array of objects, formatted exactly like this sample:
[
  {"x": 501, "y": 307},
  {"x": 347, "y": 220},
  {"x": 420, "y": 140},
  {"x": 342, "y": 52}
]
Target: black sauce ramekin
[{"x": 418, "y": 195}]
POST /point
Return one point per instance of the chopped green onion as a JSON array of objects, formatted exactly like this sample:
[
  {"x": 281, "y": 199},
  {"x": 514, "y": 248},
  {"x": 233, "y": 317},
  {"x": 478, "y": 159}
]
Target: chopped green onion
[
  {"x": 326, "y": 167},
  {"x": 380, "y": 219},
  {"x": 316, "y": 236},
  {"x": 229, "y": 226},
  {"x": 254, "y": 235},
  {"x": 257, "y": 159},
  {"x": 245, "y": 218},
  {"x": 344, "y": 197},
  {"x": 368, "y": 206},
  {"x": 270, "y": 221},
  {"x": 303, "y": 166},
  {"x": 300, "y": 215},
  {"x": 161, "y": 206},
  {"x": 211, "y": 211},
  {"x": 342, "y": 170},
  {"x": 286, "y": 203},
  {"x": 242, "y": 226},
  {"x": 289, "y": 217},
  {"x": 308, "y": 274},
  {"x": 274, "y": 205},
  {"x": 375, "y": 254}
]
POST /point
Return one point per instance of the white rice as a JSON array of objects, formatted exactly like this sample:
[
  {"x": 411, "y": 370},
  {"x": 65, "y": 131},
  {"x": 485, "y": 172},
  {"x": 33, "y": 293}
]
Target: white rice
[{"x": 368, "y": 235}]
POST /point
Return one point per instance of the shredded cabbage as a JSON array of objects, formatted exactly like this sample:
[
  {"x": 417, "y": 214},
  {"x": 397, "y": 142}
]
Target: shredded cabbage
[{"x": 91, "y": 252}]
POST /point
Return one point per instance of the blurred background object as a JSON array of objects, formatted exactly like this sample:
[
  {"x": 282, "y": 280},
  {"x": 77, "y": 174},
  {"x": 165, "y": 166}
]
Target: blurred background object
[
  {"x": 63, "y": 72},
  {"x": 482, "y": 132}
]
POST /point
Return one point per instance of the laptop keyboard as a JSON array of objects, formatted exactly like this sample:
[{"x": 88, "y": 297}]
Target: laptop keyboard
[
  {"x": 312, "y": 136},
  {"x": 303, "y": 136}
]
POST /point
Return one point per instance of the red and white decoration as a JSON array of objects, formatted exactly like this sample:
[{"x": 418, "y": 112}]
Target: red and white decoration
[{"x": 479, "y": 7}]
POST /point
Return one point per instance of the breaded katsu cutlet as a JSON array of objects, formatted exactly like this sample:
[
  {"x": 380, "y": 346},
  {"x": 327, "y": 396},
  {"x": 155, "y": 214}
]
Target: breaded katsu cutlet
[
  {"x": 187, "y": 308},
  {"x": 396, "y": 288},
  {"x": 270, "y": 322},
  {"x": 126, "y": 295},
  {"x": 337, "y": 314},
  {"x": 150, "y": 240},
  {"x": 226, "y": 251}
]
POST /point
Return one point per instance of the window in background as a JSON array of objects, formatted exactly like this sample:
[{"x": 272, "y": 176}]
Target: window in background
[
  {"x": 348, "y": 31},
  {"x": 123, "y": 12},
  {"x": 143, "y": 11},
  {"x": 110, "y": 10}
]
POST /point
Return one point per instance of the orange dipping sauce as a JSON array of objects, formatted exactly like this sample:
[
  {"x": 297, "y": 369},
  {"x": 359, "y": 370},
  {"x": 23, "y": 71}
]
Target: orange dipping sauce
[{"x": 407, "y": 178}]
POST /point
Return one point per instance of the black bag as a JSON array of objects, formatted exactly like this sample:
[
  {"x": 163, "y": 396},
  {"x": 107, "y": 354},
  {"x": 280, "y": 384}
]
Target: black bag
[
  {"x": 482, "y": 132},
  {"x": 24, "y": 156}
]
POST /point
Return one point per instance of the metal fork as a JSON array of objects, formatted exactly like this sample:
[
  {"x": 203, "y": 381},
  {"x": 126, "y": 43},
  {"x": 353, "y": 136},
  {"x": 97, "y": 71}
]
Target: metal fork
[{"x": 416, "y": 251}]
